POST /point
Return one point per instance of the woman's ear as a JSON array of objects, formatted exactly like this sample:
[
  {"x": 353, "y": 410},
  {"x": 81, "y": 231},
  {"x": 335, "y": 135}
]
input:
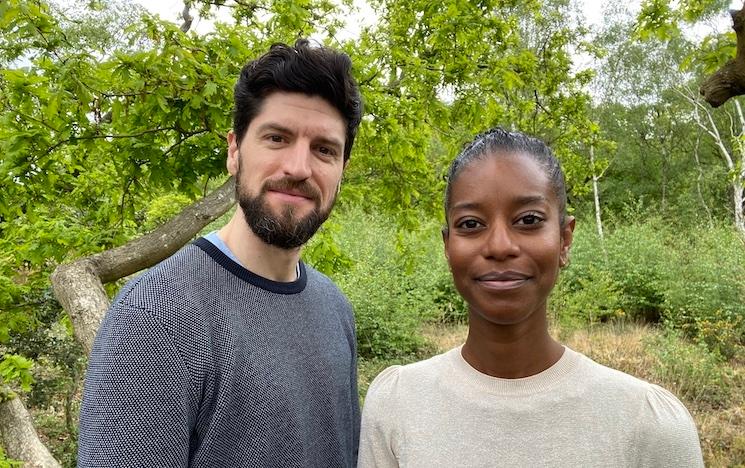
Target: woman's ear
[
  {"x": 445, "y": 237},
  {"x": 567, "y": 235}
]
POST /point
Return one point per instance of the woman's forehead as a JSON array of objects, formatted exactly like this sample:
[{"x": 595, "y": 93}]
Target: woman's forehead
[{"x": 518, "y": 174}]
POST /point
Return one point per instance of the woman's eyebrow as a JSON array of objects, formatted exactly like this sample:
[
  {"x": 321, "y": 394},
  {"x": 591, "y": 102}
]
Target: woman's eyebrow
[{"x": 529, "y": 199}]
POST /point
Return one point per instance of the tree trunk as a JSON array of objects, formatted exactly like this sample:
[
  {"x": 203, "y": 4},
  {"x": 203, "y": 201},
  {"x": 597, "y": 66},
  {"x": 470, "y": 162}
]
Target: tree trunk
[
  {"x": 78, "y": 286},
  {"x": 596, "y": 198},
  {"x": 738, "y": 182},
  {"x": 699, "y": 178},
  {"x": 19, "y": 437},
  {"x": 728, "y": 81}
]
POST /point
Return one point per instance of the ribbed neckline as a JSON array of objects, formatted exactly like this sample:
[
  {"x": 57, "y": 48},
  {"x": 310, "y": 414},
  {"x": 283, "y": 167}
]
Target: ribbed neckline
[
  {"x": 525, "y": 386},
  {"x": 277, "y": 287}
]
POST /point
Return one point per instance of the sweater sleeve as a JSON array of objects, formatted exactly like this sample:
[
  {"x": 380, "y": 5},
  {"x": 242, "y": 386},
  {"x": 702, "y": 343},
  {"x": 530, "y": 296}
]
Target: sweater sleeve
[
  {"x": 667, "y": 433},
  {"x": 138, "y": 402},
  {"x": 379, "y": 434}
]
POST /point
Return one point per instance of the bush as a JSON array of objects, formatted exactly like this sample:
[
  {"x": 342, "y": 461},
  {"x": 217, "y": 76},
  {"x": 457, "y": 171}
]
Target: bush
[
  {"x": 639, "y": 261},
  {"x": 586, "y": 292},
  {"x": 704, "y": 298},
  {"x": 690, "y": 370},
  {"x": 693, "y": 281},
  {"x": 392, "y": 278}
]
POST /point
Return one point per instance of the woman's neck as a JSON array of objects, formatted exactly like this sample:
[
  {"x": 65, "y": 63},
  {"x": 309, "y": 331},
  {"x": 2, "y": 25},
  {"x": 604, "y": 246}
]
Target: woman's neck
[{"x": 510, "y": 351}]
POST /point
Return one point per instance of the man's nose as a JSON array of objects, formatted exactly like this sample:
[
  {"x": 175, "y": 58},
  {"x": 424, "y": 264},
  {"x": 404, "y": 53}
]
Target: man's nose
[{"x": 296, "y": 164}]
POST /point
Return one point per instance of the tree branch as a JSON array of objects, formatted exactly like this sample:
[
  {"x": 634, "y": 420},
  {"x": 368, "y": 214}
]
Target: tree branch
[
  {"x": 78, "y": 286},
  {"x": 728, "y": 81},
  {"x": 186, "y": 25}
]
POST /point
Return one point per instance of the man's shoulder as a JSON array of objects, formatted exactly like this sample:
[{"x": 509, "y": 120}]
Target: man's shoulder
[
  {"x": 169, "y": 290},
  {"x": 322, "y": 284}
]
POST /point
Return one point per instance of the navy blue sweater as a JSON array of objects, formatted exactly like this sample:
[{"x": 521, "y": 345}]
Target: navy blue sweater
[{"x": 201, "y": 363}]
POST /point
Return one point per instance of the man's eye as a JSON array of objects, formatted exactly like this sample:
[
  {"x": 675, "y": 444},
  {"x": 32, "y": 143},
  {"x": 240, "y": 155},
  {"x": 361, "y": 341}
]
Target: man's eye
[
  {"x": 276, "y": 138},
  {"x": 326, "y": 150}
]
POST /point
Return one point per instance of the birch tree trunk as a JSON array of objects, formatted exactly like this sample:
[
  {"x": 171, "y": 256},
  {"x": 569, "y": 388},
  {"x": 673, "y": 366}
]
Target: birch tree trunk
[
  {"x": 735, "y": 167},
  {"x": 596, "y": 197}
]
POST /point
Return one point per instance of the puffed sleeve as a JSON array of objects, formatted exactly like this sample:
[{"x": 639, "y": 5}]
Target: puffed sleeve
[
  {"x": 667, "y": 434},
  {"x": 378, "y": 435}
]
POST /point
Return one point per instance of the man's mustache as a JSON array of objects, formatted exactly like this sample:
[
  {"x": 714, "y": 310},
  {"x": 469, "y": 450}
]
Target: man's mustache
[{"x": 300, "y": 187}]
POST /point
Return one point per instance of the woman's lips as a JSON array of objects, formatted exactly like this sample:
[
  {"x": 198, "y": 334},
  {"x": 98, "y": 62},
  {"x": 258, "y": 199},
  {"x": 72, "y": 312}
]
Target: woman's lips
[{"x": 503, "y": 280}]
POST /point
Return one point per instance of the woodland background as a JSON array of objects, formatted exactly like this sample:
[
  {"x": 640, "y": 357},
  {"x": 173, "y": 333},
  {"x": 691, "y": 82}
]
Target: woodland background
[{"x": 113, "y": 123}]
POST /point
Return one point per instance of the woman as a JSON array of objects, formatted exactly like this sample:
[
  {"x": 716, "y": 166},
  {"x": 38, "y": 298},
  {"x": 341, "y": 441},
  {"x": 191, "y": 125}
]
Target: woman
[{"x": 512, "y": 395}]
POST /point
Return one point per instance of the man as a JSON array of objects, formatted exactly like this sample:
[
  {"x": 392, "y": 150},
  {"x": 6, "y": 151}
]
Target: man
[{"x": 233, "y": 352}]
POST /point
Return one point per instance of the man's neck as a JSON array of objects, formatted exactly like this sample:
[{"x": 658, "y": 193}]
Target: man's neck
[{"x": 265, "y": 260}]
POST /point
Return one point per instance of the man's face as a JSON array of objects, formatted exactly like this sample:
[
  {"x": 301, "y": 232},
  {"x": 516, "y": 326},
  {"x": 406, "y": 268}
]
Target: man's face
[{"x": 288, "y": 167}]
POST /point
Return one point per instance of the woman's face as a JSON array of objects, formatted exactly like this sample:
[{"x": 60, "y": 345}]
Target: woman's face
[{"x": 504, "y": 242}]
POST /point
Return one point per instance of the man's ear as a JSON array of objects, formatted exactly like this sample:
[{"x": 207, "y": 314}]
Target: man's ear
[
  {"x": 567, "y": 235},
  {"x": 233, "y": 161}
]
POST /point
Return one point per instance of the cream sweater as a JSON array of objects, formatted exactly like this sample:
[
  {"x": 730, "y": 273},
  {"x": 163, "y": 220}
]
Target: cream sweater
[{"x": 443, "y": 413}]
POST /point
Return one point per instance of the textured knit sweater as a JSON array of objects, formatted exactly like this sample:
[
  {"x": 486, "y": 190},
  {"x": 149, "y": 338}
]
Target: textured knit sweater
[
  {"x": 201, "y": 363},
  {"x": 443, "y": 413}
]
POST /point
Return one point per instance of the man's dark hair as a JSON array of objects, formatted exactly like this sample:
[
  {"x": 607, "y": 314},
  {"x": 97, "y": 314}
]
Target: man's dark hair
[{"x": 314, "y": 71}]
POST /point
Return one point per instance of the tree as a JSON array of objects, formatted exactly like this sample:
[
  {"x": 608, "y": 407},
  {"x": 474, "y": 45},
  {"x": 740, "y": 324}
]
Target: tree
[{"x": 662, "y": 18}]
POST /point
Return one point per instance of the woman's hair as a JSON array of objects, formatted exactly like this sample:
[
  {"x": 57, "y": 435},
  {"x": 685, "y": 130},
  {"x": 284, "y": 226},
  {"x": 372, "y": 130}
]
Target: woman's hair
[
  {"x": 498, "y": 140},
  {"x": 314, "y": 71}
]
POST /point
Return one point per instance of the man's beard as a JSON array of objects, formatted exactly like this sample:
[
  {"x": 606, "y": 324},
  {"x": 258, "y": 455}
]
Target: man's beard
[{"x": 284, "y": 230}]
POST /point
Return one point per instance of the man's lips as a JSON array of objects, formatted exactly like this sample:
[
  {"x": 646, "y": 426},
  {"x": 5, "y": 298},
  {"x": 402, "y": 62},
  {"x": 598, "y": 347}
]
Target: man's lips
[
  {"x": 501, "y": 280},
  {"x": 291, "y": 194}
]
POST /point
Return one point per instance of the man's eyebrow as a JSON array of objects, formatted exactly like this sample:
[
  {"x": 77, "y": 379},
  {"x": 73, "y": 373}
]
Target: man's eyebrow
[
  {"x": 273, "y": 126},
  {"x": 282, "y": 129},
  {"x": 330, "y": 142}
]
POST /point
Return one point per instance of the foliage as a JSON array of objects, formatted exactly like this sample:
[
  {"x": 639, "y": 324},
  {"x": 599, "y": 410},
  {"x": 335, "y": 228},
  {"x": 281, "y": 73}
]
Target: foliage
[
  {"x": 703, "y": 297},
  {"x": 586, "y": 292},
  {"x": 15, "y": 370},
  {"x": 663, "y": 18},
  {"x": 692, "y": 282},
  {"x": 693, "y": 372},
  {"x": 5, "y": 462},
  {"x": 391, "y": 282}
]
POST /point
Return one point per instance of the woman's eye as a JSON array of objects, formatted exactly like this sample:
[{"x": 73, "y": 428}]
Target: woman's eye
[
  {"x": 530, "y": 220},
  {"x": 468, "y": 224}
]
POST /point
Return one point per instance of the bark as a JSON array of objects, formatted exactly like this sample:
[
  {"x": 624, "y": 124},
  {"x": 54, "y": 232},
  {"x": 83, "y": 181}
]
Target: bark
[
  {"x": 728, "y": 81},
  {"x": 78, "y": 286},
  {"x": 19, "y": 437},
  {"x": 738, "y": 178},
  {"x": 699, "y": 179}
]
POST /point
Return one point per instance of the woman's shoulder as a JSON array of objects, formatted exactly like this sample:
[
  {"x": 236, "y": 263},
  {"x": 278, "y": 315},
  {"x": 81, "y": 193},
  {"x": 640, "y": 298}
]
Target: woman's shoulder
[
  {"x": 658, "y": 410},
  {"x": 401, "y": 378}
]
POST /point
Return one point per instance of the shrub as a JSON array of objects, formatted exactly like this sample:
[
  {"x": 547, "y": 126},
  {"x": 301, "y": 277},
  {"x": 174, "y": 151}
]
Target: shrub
[
  {"x": 704, "y": 296},
  {"x": 690, "y": 370},
  {"x": 639, "y": 261},
  {"x": 586, "y": 292},
  {"x": 393, "y": 280}
]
